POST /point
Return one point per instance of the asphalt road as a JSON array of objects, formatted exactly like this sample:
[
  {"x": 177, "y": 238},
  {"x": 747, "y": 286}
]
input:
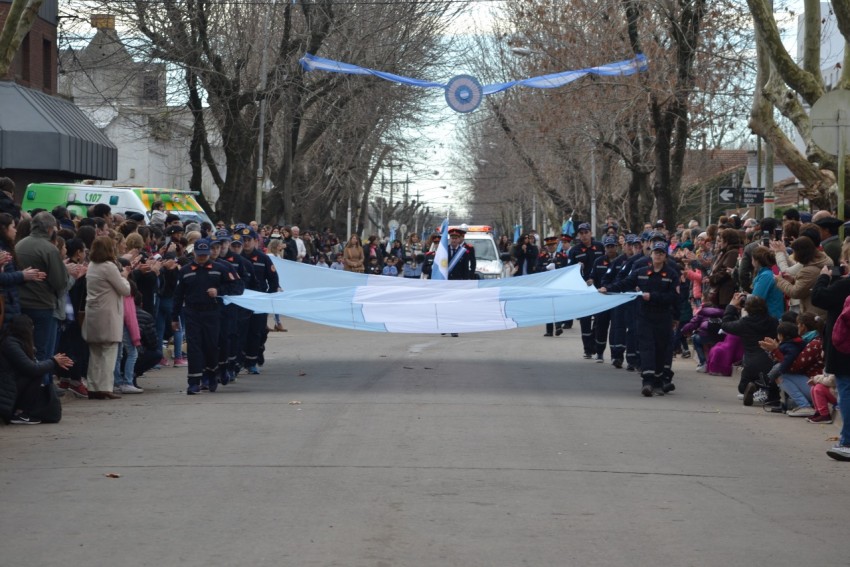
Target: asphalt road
[{"x": 361, "y": 449}]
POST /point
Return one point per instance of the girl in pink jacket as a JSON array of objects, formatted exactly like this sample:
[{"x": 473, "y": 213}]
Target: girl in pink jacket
[{"x": 132, "y": 340}]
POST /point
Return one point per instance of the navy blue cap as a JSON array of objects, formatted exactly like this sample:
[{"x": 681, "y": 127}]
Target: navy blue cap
[
  {"x": 244, "y": 233},
  {"x": 239, "y": 227},
  {"x": 644, "y": 236},
  {"x": 202, "y": 247},
  {"x": 657, "y": 236},
  {"x": 609, "y": 241},
  {"x": 173, "y": 229},
  {"x": 222, "y": 234},
  {"x": 584, "y": 226},
  {"x": 632, "y": 239},
  {"x": 659, "y": 246}
]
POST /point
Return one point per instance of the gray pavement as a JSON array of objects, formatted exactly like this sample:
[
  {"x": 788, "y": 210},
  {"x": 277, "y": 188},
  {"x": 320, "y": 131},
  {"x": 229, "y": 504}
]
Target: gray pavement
[{"x": 381, "y": 450}]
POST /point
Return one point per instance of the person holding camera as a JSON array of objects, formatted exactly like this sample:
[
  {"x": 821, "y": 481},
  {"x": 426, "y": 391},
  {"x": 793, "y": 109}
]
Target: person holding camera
[
  {"x": 800, "y": 286},
  {"x": 829, "y": 293}
]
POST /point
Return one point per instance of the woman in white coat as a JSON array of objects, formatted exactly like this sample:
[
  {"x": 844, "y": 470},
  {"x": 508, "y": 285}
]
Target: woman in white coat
[{"x": 103, "y": 326}]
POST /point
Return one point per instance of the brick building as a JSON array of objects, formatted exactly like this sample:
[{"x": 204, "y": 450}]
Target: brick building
[{"x": 44, "y": 137}]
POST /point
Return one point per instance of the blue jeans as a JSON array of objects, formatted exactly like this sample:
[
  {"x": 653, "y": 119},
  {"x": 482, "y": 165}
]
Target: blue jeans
[
  {"x": 698, "y": 348},
  {"x": 45, "y": 329},
  {"x": 797, "y": 387},
  {"x": 842, "y": 381},
  {"x": 163, "y": 318},
  {"x": 129, "y": 362}
]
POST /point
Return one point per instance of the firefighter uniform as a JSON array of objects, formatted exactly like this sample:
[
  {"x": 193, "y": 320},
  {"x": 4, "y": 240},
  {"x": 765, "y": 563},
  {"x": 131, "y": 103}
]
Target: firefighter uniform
[
  {"x": 602, "y": 320},
  {"x": 586, "y": 255},
  {"x": 265, "y": 281},
  {"x": 551, "y": 259},
  {"x": 655, "y": 318},
  {"x": 199, "y": 285},
  {"x": 619, "y": 315},
  {"x": 228, "y": 313}
]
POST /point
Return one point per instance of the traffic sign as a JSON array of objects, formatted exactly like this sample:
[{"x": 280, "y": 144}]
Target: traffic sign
[
  {"x": 729, "y": 195},
  {"x": 752, "y": 195}
]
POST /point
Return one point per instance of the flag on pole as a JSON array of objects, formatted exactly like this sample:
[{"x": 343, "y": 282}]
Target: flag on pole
[{"x": 440, "y": 269}]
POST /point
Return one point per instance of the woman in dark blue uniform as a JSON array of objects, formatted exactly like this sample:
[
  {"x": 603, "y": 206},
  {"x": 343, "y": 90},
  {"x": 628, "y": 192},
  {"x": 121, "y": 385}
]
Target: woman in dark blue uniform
[{"x": 659, "y": 286}]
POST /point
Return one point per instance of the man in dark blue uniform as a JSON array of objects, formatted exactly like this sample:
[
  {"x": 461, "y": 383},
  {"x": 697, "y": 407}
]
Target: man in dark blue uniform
[
  {"x": 551, "y": 259},
  {"x": 620, "y": 315},
  {"x": 461, "y": 256},
  {"x": 265, "y": 281},
  {"x": 239, "y": 328},
  {"x": 603, "y": 319},
  {"x": 641, "y": 250},
  {"x": 585, "y": 252},
  {"x": 659, "y": 287},
  {"x": 654, "y": 238},
  {"x": 199, "y": 285},
  {"x": 220, "y": 244}
]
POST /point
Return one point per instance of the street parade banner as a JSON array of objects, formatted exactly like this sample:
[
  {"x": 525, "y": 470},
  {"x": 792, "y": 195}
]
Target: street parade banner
[
  {"x": 464, "y": 93},
  {"x": 397, "y": 305}
]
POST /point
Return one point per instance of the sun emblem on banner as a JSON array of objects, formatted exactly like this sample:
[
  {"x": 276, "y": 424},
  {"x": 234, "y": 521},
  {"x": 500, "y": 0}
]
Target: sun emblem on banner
[{"x": 464, "y": 93}]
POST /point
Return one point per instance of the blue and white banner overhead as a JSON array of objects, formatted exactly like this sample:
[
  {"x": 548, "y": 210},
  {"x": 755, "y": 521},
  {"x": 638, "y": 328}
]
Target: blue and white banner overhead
[
  {"x": 389, "y": 304},
  {"x": 464, "y": 93}
]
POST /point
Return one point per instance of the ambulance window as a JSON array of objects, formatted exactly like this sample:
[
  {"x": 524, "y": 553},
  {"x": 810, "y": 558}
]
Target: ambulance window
[{"x": 113, "y": 200}]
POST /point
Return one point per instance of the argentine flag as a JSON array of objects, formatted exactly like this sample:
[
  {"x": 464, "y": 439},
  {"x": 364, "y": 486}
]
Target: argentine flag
[{"x": 440, "y": 269}]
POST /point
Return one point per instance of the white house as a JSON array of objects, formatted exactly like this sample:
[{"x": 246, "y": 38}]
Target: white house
[{"x": 126, "y": 99}]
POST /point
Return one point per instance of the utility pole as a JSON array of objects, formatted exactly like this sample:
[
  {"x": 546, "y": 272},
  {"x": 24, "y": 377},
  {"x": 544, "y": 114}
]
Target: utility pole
[
  {"x": 381, "y": 205},
  {"x": 593, "y": 193},
  {"x": 406, "y": 188},
  {"x": 261, "y": 174},
  {"x": 348, "y": 219},
  {"x": 769, "y": 195}
]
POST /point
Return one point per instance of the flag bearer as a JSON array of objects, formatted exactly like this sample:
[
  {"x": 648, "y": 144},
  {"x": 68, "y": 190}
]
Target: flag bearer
[
  {"x": 658, "y": 284},
  {"x": 220, "y": 247},
  {"x": 265, "y": 281}
]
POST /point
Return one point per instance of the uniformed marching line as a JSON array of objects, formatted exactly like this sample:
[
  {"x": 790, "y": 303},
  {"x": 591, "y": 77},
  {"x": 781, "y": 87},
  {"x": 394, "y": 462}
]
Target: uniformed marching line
[
  {"x": 638, "y": 333},
  {"x": 222, "y": 339}
]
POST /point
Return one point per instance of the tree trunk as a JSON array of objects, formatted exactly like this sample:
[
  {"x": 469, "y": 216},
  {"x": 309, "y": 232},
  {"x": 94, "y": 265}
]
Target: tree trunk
[{"x": 19, "y": 19}]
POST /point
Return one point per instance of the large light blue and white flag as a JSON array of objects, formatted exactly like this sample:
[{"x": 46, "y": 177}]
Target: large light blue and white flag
[
  {"x": 379, "y": 303},
  {"x": 440, "y": 268}
]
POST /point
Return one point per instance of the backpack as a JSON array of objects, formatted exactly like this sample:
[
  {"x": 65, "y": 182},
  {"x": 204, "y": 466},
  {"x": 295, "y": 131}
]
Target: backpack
[{"x": 841, "y": 329}]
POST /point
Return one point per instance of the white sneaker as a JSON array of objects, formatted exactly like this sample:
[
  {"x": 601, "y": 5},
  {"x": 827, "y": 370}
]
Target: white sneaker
[
  {"x": 701, "y": 369},
  {"x": 130, "y": 389},
  {"x": 839, "y": 453},
  {"x": 760, "y": 397},
  {"x": 802, "y": 412},
  {"x": 740, "y": 396}
]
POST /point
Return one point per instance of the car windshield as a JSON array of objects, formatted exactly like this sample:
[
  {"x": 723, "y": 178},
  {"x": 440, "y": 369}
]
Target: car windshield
[{"x": 485, "y": 249}]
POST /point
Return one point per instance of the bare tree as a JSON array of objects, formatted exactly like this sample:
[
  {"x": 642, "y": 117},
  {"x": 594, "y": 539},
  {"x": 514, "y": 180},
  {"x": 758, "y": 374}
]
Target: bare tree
[
  {"x": 790, "y": 88},
  {"x": 19, "y": 20}
]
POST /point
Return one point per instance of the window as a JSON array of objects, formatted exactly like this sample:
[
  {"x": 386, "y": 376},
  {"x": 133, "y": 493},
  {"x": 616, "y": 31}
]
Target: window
[
  {"x": 26, "y": 59},
  {"x": 150, "y": 89},
  {"x": 47, "y": 64}
]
